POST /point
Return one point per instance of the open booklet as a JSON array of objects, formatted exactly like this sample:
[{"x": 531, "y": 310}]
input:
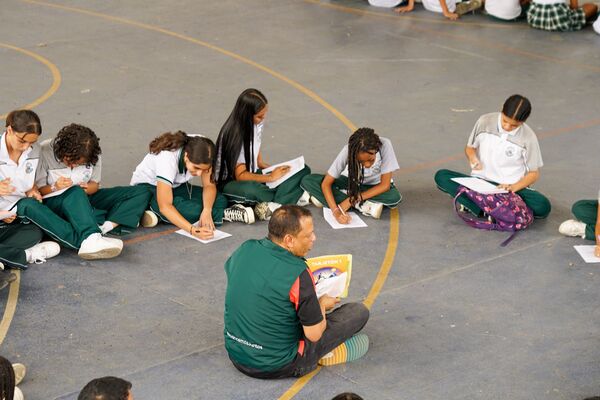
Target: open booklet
[
  {"x": 479, "y": 185},
  {"x": 296, "y": 165},
  {"x": 331, "y": 274}
]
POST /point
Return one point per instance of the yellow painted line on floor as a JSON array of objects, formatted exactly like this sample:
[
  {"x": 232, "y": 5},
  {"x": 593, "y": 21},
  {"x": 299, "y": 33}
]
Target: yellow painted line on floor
[
  {"x": 391, "y": 249},
  {"x": 407, "y": 16},
  {"x": 56, "y": 78},
  {"x": 228, "y": 53},
  {"x": 11, "y": 306}
]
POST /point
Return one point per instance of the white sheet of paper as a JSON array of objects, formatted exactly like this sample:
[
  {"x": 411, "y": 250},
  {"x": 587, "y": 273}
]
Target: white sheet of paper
[
  {"x": 296, "y": 165},
  {"x": 479, "y": 185},
  {"x": 58, "y": 192},
  {"x": 218, "y": 236},
  {"x": 355, "y": 222},
  {"x": 587, "y": 253},
  {"x": 76, "y": 175},
  {"x": 7, "y": 214},
  {"x": 333, "y": 286}
]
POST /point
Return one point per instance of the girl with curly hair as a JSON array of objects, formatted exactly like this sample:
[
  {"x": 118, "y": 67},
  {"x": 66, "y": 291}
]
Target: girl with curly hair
[
  {"x": 174, "y": 160},
  {"x": 360, "y": 177},
  {"x": 71, "y": 162},
  {"x": 240, "y": 160}
]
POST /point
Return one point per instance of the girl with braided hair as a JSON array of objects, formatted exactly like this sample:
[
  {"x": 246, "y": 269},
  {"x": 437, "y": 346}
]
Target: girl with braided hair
[
  {"x": 240, "y": 161},
  {"x": 360, "y": 177},
  {"x": 174, "y": 160}
]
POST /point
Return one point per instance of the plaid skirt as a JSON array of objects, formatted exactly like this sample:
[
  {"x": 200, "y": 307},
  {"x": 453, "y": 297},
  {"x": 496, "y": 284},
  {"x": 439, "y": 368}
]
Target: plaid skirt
[{"x": 555, "y": 17}]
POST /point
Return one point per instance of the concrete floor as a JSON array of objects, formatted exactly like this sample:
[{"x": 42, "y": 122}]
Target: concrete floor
[{"x": 458, "y": 318}]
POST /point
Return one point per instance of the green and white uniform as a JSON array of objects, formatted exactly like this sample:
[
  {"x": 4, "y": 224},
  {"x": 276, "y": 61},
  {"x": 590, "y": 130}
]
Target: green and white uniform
[
  {"x": 289, "y": 192},
  {"x": 385, "y": 162},
  {"x": 123, "y": 205},
  {"x": 19, "y": 235},
  {"x": 586, "y": 211},
  {"x": 506, "y": 158},
  {"x": 169, "y": 167}
]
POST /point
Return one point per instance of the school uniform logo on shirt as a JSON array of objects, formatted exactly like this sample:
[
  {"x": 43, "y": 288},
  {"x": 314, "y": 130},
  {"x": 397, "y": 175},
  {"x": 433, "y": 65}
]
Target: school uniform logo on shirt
[
  {"x": 28, "y": 168},
  {"x": 510, "y": 151},
  {"x": 87, "y": 175}
]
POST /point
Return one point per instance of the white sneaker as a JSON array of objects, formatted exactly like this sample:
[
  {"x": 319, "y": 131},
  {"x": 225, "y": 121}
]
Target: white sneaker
[
  {"x": 239, "y": 213},
  {"x": 96, "y": 247},
  {"x": 370, "y": 209},
  {"x": 149, "y": 219},
  {"x": 316, "y": 202},
  {"x": 304, "y": 200},
  {"x": 42, "y": 251},
  {"x": 20, "y": 372},
  {"x": 572, "y": 227},
  {"x": 264, "y": 210}
]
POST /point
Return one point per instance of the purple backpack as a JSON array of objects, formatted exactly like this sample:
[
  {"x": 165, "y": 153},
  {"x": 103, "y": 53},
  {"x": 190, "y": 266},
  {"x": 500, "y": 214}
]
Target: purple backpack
[{"x": 509, "y": 211}]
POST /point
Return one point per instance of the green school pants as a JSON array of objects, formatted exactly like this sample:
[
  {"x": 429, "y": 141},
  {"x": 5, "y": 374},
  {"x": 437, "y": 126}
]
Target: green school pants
[
  {"x": 289, "y": 192},
  {"x": 187, "y": 199},
  {"x": 586, "y": 211},
  {"x": 15, "y": 238},
  {"x": 67, "y": 218},
  {"x": 312, "y": 184},
  {"x": 123, "y": 205},
  {"x": 538, "y": 203}
]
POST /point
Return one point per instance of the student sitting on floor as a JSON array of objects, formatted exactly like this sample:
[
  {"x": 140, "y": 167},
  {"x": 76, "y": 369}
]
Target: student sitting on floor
[
  {"x": 560, "y": 15},
  {"x": 174, "y": 159},
  {"x": 106, "y": 388},
  {"x": 587, "y": 224},
  {"x": 73, "y": 158},
  {"x": 503, "y": 150},
  {"x": 507, "y": 10},
  {"x": 20, "y": 241},
  {"x": 360, "y": 177},
  {"x": 78, "y": 230},
  {"x": 240, "y": 161},
  {"x": 10, "y": 376},
  {"x": 452, "y": 9},
  {"x": 275, "y": 326}
]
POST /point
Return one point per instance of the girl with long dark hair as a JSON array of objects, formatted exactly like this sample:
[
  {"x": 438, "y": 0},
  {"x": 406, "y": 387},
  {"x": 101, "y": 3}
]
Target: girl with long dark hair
[{"x": 240, "y": 161}]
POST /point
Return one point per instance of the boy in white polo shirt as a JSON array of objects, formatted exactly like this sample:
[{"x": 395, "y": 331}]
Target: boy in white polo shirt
[
  {"x": 502, "y": 149},
  {"x": 359, "y": 177}
]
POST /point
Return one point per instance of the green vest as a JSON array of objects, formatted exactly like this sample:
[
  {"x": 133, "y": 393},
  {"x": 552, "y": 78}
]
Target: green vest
[{"x": 262, "y": 329}]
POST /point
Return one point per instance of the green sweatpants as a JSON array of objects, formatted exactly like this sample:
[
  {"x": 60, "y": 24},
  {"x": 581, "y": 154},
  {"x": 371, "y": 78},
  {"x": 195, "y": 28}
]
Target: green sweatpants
[
  {"x": 187, "y": 199},
  {"x": 312, "y": 184},
  {"x": 15, "y": 238},
  {"x": 123, "y": 205},
  {"x": 586, "y": 211},
  {"x": 538, "y": 203},
  {"x": 289, "y": 192},
  {"x": 67, "y": 218}
]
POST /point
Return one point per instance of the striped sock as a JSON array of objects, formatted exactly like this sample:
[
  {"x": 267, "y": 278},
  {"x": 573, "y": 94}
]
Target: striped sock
[{"x": 352, "y": 349}]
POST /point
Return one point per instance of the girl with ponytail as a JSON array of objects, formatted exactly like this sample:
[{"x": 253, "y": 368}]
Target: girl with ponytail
[
  {"x": 174, "y": 159},
  {"x": 503, "y": 150},
  {"x": 360, "y": 177}
]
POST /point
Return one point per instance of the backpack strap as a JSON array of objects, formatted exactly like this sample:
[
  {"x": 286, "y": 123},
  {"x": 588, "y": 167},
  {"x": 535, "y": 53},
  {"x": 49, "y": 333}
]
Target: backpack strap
[{"x": 467, "y": 217}]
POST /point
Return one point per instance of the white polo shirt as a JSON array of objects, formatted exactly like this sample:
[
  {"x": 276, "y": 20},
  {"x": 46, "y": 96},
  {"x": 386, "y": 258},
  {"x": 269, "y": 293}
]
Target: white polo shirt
[
  {"x": 506, "y": 156},
  {"x": 503, "y": 9},
  {"x": 50, "y": 168},
  {"x": 434, "y": 5},
  {"x": 22, "y": 174},
  {"x": 166, "y": 166},
  {"x": 385, "y": 3},
  {"x": 241, "y": 159},
  {"x": 385, "y": 162}
]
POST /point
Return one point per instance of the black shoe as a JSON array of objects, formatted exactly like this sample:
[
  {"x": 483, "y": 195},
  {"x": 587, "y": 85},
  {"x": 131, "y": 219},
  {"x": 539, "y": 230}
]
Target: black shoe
[{"x": 6, "y": 278}]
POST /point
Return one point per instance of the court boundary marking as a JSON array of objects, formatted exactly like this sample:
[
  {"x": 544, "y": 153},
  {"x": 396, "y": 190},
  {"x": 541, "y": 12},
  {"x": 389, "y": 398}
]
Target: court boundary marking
[{"x": 56, "y": 77}]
